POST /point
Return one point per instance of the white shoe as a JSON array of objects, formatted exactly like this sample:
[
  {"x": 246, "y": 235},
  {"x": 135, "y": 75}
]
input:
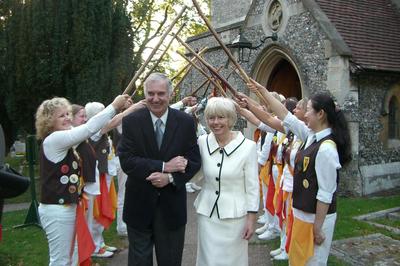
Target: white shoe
[
  {"x": 189, "y": 188},
  {"x": 268, "y": 235},
  {"x": 195, "y": 187},
  {"x": 262, "y": 229},
  {"x": 282, "y": 256},
  {"x": 275, "y": 252},
  {"x": 109, "y": 248},
  {"x": 262, "y": 219},
  {"x": 102, "y": 253}
]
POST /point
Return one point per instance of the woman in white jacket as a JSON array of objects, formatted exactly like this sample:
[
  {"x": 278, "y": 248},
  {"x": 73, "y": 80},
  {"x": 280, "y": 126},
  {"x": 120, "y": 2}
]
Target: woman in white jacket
[{"x": 228, "y": 203}]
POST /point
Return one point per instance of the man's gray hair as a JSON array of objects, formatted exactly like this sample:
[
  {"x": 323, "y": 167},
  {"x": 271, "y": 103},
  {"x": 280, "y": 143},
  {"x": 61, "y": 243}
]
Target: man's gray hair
[{"x": 158, "y": 77}]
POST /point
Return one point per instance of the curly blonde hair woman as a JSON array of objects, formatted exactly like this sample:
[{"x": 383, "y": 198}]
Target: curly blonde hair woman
[{"x": 60, "y": 171}]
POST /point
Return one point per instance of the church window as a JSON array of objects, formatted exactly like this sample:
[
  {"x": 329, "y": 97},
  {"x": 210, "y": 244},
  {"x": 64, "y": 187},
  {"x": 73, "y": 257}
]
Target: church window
[{"x": 394, "y": 118}]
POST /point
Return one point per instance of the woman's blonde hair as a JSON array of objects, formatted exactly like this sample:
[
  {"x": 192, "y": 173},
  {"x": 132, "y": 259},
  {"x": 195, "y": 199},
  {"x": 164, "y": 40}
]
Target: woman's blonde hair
[
  {"x": 219, "y": 106},
  {"x": 45, "y": 115}
]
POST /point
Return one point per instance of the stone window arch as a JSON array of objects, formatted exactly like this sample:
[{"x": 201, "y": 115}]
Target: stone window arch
[{"x": 390, "y": 134}]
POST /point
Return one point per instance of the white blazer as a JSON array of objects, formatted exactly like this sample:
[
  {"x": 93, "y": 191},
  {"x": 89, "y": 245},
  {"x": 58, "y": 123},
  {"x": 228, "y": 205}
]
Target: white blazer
[{"x": 231, "y": 186}]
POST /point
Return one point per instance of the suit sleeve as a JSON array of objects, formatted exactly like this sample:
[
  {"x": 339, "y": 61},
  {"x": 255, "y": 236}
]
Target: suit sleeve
[
  {"x": 192, "y": 154},
  {"x": 131, "y": 163}
]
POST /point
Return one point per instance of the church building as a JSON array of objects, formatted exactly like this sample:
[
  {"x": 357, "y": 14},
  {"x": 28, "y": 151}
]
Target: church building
[{"x": 350, "y": 48}]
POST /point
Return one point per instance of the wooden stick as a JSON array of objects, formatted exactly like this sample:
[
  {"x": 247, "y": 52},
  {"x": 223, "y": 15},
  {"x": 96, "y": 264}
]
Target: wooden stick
[
  {"x": 141, "y": 69},
  {"x": 197, "y": 67},
  {"x": 202, "y": 84},
  {"x": 165, "y": 51},
  {"x": 194, "y": 93},
  {"x": 228, "y": 53},
  {"x": 202, "y": 51},
  {"x": 209, "y": 67},
  {"x": 221, "y": 90}
]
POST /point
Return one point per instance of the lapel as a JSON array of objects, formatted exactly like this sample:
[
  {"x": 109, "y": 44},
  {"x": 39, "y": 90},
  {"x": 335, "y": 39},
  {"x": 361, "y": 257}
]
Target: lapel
[
  {"x": 231, "y": 147},
  {"x": 170, "y": 129}
]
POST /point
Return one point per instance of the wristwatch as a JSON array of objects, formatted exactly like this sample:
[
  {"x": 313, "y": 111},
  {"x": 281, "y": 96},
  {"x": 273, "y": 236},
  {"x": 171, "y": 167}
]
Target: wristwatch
[{"x": 170, "y": 178}]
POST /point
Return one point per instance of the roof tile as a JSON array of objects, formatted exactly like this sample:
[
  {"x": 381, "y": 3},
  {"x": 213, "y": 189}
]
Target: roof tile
[{"x": 371, "y": 29}]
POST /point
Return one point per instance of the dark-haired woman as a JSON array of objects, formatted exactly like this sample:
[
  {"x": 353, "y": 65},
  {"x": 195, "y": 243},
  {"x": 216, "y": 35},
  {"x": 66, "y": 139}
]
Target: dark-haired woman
[{"x": 327, "y": 147}]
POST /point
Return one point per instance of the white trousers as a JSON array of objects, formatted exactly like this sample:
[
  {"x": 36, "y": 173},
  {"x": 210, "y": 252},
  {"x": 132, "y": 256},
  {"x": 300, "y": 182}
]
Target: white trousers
[
  {"x": 122, "y": 177},
  {"x": 321, "y": 252},
  {"x": 58, "y": 222}
]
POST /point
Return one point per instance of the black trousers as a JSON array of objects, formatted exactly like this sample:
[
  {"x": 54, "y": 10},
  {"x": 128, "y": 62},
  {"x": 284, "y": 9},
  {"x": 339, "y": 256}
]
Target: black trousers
[{"x": 168, "y": 244}]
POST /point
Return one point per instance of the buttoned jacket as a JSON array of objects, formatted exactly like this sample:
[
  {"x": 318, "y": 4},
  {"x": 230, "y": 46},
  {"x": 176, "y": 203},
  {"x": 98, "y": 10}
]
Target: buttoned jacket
[
  {"x": 231, "y": 181},
  {"x": 140, "y": 157}
]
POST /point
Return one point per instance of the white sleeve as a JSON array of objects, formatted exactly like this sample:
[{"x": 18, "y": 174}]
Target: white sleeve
[
  {"x": 266, "y": 148},
  {"x": 57, "y": 144},
  {"x": 190, "y": 109},
  {"x": 251, "y": 179},
  {"x": 296, "y": 126},
  {"x": 177, "y": 105},
  {"x": 326, "y": 166},
  {"x": 265, "y": 128}
]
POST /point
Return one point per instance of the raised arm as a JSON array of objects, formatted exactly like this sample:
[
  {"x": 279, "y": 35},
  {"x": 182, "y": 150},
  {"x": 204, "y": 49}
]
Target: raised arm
[
  {"x": 256, "y": 110},
  {"x": 117, "y": 120},
  {"x": 276, "y": 106}
]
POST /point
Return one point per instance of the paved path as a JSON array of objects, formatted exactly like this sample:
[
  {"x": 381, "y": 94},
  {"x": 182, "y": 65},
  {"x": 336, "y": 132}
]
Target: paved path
[{"x": 258, "y": 252}]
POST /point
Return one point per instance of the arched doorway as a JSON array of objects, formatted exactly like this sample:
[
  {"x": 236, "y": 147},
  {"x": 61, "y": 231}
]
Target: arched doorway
[
  {"x": 284, "y": 80},
  {"x": 276, "y": 70}
]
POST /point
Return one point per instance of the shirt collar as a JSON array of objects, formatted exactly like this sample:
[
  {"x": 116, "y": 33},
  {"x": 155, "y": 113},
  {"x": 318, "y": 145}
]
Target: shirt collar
[
  {"x": 163, "y": 118},
  {"x": 323, "y": 133},
  {"x": 213, "y": 146}
]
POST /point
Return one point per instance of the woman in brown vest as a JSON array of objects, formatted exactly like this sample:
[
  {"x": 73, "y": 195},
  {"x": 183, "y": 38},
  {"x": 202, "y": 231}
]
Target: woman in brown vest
[
  {"x": 60, "y": 170},
  {"x": 326, "y": 149}
]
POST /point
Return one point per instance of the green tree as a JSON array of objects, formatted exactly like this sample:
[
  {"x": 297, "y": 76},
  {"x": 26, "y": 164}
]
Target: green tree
[{"x": 85, "y": 50}]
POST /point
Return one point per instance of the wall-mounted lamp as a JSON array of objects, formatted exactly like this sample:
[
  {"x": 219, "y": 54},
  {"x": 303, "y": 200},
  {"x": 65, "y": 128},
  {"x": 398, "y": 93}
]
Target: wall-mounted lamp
[{"x": 244, "y": 46}]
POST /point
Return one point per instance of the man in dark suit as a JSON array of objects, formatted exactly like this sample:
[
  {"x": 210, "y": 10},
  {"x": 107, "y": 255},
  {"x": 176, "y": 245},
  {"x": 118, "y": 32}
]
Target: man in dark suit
[{"x": 159, "y": 153}]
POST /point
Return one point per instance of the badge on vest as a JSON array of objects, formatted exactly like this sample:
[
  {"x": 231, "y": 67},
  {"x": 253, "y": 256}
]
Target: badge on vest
[
  {"x": 64, "y": 179},
  {"x": 75, "y": 165},
  {"x": 72, "y": 189},
  {"x": 306, "y": 161},
  {"x": 64, "y": 169},
  {"x": 73, "y": 178},
  {"x": 305, "y": 183}
]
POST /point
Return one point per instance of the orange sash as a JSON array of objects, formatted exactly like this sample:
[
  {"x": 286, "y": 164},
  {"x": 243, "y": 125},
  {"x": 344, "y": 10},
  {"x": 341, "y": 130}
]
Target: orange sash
[
  {"x": 103, "y": 207},
  {"x": 270, "y": 196},
  {"x": 278, "y": 182},
  {"x": 301, "y": 243},
  {"x": 86, "y": 245}
]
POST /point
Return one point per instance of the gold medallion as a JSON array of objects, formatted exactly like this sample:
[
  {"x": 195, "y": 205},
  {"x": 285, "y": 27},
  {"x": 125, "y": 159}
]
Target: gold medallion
[
  {"x": 305, "y": 183},
  {"x": 306, "y": 161}
]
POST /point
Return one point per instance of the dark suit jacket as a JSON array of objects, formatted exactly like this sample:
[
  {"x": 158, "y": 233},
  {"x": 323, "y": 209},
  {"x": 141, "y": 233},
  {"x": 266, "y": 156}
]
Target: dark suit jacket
[{"x": 139, "y": 157}]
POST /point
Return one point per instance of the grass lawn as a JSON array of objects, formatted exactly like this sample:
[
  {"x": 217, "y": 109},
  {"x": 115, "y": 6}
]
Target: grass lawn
[
  {"x": 18, "y": 164},
  {"x": 347, "y": 227},
  {"x": 28, "y": 246}
]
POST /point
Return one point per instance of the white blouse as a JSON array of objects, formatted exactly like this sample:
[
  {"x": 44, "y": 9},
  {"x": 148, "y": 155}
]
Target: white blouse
[
  {"x": 57, "y": 144},
  {"x": 326, "y": 162},
  {"x": 231, "y": 186}
]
